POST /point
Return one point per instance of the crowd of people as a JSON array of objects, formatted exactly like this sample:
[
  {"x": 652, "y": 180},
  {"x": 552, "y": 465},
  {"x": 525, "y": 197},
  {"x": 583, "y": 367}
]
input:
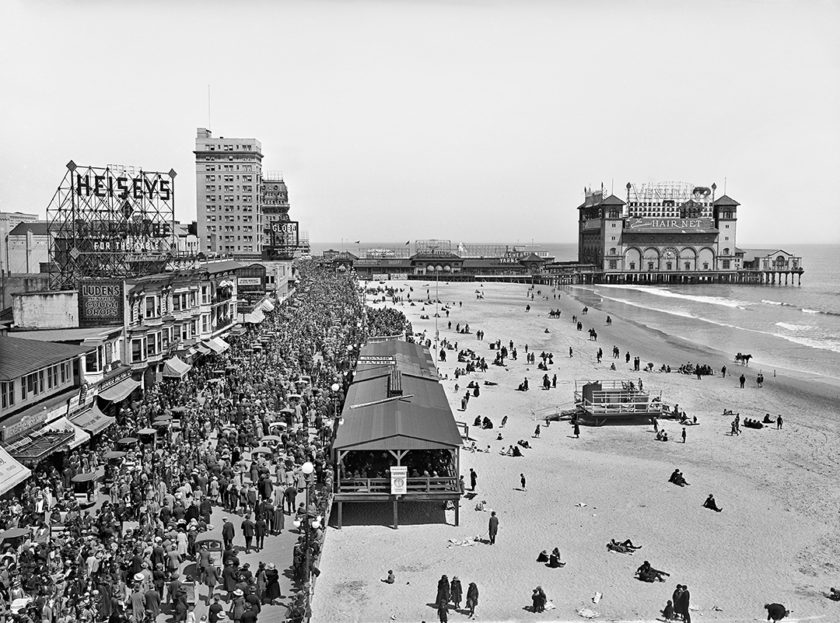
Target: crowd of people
[{"x": 124, "y": 557}]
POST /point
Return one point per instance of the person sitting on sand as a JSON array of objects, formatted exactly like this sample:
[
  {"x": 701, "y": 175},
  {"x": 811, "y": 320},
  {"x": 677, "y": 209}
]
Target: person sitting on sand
[
  {"x": 677, "y": 478},
  {"x": 486, "y": 423},
  {"x": 516, "y": 451},
  {"x": 538, "y": 599},
  {"x": 477, "y": 421},
  {"x": 390, "y": 579},
  {"x": 543, "y": 557},
  {"x": 776, "y": 612},
  {"x": 481, "y": 505},
  {"x": 554, "y": 559},
  {"x": 524, "y": 443},
  {"x": 834, "y": 594},
  {"x": 499, "y": 437},
  {"x": 710, "y": 503},
  {"x": 768, "y": 420},
  {"x": 668, "y": 611},
  {"x": 661, "y": 435}
]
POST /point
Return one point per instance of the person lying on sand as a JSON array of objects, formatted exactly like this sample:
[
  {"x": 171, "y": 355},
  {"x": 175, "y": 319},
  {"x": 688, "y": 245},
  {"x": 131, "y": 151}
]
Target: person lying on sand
[
  {"x": 625, "y": 547},
  {"x": 646, "y": 573},
  {"x": 834, "y": 594}
]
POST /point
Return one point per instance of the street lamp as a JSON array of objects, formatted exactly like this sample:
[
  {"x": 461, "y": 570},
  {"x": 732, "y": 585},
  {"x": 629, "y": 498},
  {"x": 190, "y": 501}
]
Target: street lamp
[
  {"x": 437, "y": 268},
  {"x": 307, "y": 468},
  {"x": 335, "y": 387}
]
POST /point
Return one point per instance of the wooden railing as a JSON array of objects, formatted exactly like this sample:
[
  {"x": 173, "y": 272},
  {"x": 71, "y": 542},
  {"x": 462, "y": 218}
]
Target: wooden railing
[{"x": 419, "y": 484}]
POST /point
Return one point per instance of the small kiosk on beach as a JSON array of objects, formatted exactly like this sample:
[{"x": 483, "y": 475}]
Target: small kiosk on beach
[
  {"x": 397, "y": 440},
  {"x": 615, "y": 402}
]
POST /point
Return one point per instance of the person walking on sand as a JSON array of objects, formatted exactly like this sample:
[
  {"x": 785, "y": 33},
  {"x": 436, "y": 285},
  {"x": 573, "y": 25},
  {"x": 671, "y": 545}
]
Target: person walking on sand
[
  {"x": 779, "y": 422},
  {"x": 537, "y": 432},
  {"x": 493, "y": 527},
  {"x": 723, "y": 372},
  {"x": 683, "y": 434},
  {"x": 472, "y": 598},
  {"x": 571, "y": 352},
  {"x": 577, "y": 430},
  {"x": 522, "y": 481},
  {"x": 473, "y": 479},
  {"x": 742, "y": 379}
]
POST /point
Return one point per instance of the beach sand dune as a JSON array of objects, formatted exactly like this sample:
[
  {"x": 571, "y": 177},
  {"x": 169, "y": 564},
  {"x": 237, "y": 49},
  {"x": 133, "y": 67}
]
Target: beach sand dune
[{"x": 776, "y": 539}]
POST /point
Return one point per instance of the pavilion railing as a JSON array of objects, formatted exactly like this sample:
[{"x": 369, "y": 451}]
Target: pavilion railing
[{"x": 416, "y": 484}]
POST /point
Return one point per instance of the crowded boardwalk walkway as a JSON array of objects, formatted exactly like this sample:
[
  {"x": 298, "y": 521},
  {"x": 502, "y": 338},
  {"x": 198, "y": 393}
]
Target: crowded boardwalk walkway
[{"x": 233, "y": 443}]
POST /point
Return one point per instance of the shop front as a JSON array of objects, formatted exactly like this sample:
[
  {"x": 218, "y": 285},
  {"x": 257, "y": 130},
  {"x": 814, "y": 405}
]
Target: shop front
[
  {"x": 12, "y": 473},
  {"x": 115, "y": 388}
]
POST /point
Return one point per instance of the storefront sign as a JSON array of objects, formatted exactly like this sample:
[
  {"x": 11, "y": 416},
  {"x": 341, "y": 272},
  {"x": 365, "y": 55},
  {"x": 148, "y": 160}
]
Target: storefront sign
[
  {"x": 285, "y": 234},
  {"x": 25, "y": 424},
  {"x": 100, "y": 302},
  {"x": 113, "y": 380},
  {"x": 670, "y": 223},
  {"x": 248, "y": 281},
  {"x": 399, "y": 480},
  {"x": 376, "y": 361}
]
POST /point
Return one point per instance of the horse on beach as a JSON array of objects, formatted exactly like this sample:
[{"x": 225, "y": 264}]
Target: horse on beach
[{"x": 743, "y": 359}]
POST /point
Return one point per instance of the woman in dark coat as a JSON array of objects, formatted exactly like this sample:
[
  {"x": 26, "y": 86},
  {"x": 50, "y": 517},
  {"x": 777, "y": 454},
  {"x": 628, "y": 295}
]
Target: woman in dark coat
[
  {"x": 272, "y": 584},
  {"x": 442, "y": 591},
  {"x": 456, "y": 592},
  {"x": 538, "y": 599},
  {"x": 472, "y": 598}
]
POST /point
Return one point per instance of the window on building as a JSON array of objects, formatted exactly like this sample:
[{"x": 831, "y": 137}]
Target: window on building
[
  {"x": 632, "y": 265},
  {"x": 613, "y": 264},
  {"x": 650, "y": 265},
  {"x": 7, "y": 394},
  {"x": 725, "y": 264},
  {"x": 688, "y": 265},
  {"x": 669, "y": 265},
  {"x": 205, "y": 323},
  {"x": 205, "y": 295},
  {"x": 165, "y": 338},
  {"x": 726, "y": 251},
  {"x": 92, "y": 361},
  {"x": 137, "y": 350},
  {"x": 185, "y": 331}
]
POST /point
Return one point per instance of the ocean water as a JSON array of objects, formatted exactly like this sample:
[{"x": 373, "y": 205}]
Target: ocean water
[{"x": 789, "y": 327}]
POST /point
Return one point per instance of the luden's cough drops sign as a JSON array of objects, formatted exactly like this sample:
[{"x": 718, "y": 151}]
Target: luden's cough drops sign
[{"x": 100, "y": 302}]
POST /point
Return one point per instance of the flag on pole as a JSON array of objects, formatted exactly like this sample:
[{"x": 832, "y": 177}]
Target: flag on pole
[
  {"x": 407, "y": 242},
  {"x": 358, "y": 241}
]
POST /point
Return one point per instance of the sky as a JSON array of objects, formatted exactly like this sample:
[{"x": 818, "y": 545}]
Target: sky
[{"x": 467, "y": 120}]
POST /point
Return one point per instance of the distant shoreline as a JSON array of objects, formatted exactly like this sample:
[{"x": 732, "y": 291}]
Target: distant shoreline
[{"x": 677, "y": 350}]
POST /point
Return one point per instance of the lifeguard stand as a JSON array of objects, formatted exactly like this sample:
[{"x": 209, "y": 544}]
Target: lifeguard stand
[{"x": 616, "y": 402}]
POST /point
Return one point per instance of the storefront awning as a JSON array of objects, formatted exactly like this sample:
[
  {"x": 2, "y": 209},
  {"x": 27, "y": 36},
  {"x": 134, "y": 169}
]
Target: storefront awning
[
  {"x": 267, "y": 306},
  {"x": 217, "y": 345},
  {"x": 63, "y": 424},
  {"x": 93, "y": 420},
  {"x": 175, "y": 368},
  {"x": 33, "y": 448},
  {"x": 238, "y": 330},
  {"x": 12, "y": 473},
  {"x": 120, "y": 391},
  {"x": 254, "y": 317}
]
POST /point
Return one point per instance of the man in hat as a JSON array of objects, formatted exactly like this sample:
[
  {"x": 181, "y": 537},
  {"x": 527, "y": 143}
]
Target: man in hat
[
  {"x": 229, "y": 578},
  {"x": 173, "y": 588},
  {"x": 137, "y": 600},
  {"x": 248, "y": 530},
  {"x": 152, "y": 604},
  {"x": 252, "y": 599},
  {"x": 228, "y": 532},
  {"x": 215, "y": 611}
]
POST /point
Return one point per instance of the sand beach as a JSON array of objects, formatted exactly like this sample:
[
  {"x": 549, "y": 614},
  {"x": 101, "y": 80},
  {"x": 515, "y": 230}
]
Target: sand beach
[{"x": 775, "y": 541}]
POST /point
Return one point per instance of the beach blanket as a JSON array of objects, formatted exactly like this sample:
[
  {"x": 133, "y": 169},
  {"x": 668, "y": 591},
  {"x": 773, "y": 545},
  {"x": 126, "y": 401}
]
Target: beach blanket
[{"x": 587, "y": 613}]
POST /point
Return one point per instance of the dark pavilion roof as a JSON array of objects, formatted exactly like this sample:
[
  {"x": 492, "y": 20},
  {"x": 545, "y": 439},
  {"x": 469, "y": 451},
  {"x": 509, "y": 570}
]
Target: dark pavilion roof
[{"x": 725, "y": 200}]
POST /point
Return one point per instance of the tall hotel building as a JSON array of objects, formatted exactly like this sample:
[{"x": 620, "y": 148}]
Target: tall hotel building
[{"x": 228, "y": 175}]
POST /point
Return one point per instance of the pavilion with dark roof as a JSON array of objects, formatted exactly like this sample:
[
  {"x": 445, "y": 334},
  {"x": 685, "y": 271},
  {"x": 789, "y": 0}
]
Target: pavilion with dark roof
[{"x": 397, "y": 439}]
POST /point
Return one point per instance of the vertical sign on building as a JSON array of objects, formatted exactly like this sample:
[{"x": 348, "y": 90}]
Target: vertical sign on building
[
  {"x": 100, "y": 302},
  {"x": 399, "y": 480}
]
